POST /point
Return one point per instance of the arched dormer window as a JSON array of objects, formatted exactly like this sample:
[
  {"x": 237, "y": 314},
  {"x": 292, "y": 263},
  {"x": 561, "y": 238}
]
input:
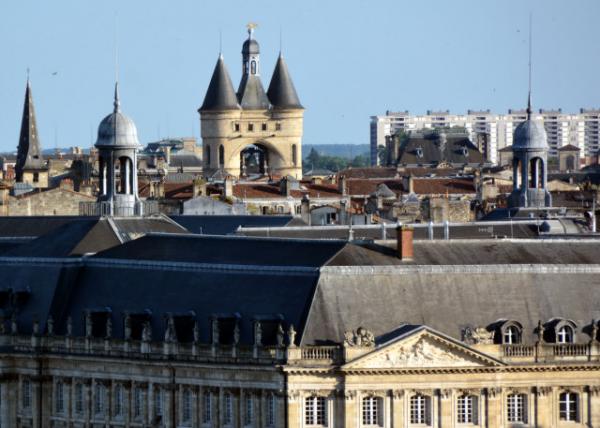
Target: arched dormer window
[
  {"x": 507, "y": 332},
  {"x": 565, "y": 334},
  {"x": 419, "y": 152}
]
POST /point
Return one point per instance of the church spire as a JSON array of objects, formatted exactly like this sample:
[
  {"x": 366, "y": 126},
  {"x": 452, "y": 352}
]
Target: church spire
[
  {"x": 220, "y": 94},
  {"x": 282, "y": 93},
  {"x": 29, "y": 153}
]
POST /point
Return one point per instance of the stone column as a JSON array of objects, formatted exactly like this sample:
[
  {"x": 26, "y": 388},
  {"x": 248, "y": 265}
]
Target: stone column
[
  {"x": 350, "y": 409},
  {"x": 544, "y": 410}
]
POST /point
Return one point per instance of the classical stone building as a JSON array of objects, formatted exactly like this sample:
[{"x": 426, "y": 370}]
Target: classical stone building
[
  {"x": 176, "y": 330},
  {"x": 252, "y": 132}
]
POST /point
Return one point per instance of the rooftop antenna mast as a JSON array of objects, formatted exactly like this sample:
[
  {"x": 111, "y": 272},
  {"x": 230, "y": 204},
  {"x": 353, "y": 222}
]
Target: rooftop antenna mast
[
  {"x": 280, "y": 41},
  {"x": 530, "y": 49},
  {"x": 220, "y": 42}
]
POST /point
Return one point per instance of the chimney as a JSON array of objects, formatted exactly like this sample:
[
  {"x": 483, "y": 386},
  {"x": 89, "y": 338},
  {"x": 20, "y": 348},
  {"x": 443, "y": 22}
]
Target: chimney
[
  {"x": 404, "y": 236},
  {"x": 305, "y": 209},
  {"x": 408, "y": 184},
  {"x": 228, "y": 188},
  {"x": 199, "y": 187},
  {"x": 342, "y": 185}
]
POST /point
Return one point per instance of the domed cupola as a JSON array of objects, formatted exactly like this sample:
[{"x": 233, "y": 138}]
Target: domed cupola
[
  {"x": 116, "y": 129},
  {"x": 251, "y": 94},
  {"x": 530, "y": 134}
]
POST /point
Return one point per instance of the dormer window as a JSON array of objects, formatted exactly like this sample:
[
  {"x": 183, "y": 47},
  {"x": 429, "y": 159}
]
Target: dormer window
[
  {"x": 507, "y": 332},
  {"x": 419, "y": 152},
  {"x": 465, "y": 152},
  {"x": 564, "y": 334},
  {"x": 511, "y": 335}
]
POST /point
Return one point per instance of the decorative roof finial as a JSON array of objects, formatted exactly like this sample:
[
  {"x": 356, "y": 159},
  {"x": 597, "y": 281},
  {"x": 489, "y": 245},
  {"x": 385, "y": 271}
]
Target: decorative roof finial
[
  {"x": 27, "y": 75},
  {"x": 251, "y": 26},
  {"x": 117, "y": 102}
]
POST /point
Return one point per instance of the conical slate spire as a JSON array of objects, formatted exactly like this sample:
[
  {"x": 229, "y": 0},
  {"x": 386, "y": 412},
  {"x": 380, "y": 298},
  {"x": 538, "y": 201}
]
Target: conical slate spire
[
  {"x": 251, "y": 93},
  {"x": 29, "y": 153},
  {"x": 282, "y": 92},
  {"x": 220, "y": 94}
]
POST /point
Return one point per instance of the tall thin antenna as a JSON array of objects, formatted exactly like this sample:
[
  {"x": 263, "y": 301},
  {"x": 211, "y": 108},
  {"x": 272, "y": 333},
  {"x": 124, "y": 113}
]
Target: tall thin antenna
[
  {"x": 116, "y": 49},
  {"x": 220, "y": 41},
  {"x": 280, "y": 40},
  {"x": 27, "y": 74},
  {"x": 530, "y": 49}
]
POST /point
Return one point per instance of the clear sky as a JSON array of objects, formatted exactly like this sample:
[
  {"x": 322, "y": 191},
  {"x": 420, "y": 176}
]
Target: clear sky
[{"x": 349, "y": 60}]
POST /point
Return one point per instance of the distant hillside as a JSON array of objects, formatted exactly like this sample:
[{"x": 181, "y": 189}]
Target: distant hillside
[{"x": 348, "y": 151}]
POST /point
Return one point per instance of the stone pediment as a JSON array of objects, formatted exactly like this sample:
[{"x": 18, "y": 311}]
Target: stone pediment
[{"x": 422, "y": 349}]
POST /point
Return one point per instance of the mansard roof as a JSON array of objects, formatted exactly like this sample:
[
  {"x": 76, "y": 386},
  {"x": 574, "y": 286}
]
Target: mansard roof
[
  {"x": 29, "y": 152},
  {"x": 220, "y": 94},
  {"x": 251, "y": 94},
  {"x": 282, "y": 92}
]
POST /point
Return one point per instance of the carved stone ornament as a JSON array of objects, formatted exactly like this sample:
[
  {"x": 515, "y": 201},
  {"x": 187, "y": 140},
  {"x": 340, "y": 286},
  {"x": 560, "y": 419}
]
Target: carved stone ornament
[
  {"x": 477, "y": 336},
  {"x": 543, "y": 391},
  {"x": 420, "y": 353},
  {"x": 360, "y": 337},
  {"x": 349, "y": 395},
  {"x": 398, "y": 394},
  {"x": 494, "y": 392},
  {"x": 594, "y": 390},
  {"x": 445, "y": 394}
]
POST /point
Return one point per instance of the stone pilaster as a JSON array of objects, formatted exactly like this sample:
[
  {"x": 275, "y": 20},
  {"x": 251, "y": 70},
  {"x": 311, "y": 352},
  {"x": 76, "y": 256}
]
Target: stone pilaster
[
  {"x": 594, "y": 405},
  {"x": 294, "y": 405},
  {"x": 398, "y": 415},
  {"x": 444, "y": 416},
  {"x": 168, "y": 407},
  {"x": 350, "y": 406},
  {"x": 545, "y": 416}
]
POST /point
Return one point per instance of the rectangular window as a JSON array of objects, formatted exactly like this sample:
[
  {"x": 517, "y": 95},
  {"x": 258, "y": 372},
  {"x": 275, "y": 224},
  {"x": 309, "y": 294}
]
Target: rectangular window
[
  {"x": 186, "y": 410},
  {"x": 264, "y": 127},
  {"x": 419, "y": 409},
  {"x": 315, "y": 411},
  {"x": 60, "y": 398},
  {"x": 236, "y": 127},
  {"x": 248, "y": 410},
  {"x": 466, "y": 410},
  {"x": 250, "y": 127},
  {"x": 118, "y": 400},
  {"x": 206, "y": 408},
  {"x": 271, "y": 410},
  {"x": 227, "y": 409},
  {"x": 26, "y": 395},
  {"x": 568, "y": 406},
  {"x": 371, "y": 411},
  {"x": 99, "y": 399},
  {"x": 158, "y": 402},
  {"x": 79, "y": 399},
  {"x": 278, "y": 126},
  {"x": 517, "y": 408},
  {"x": 137, "y": 402}
]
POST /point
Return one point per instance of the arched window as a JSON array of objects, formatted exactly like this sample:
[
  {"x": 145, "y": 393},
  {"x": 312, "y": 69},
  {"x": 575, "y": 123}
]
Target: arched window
[
  {"x": 78, "y": 398},
  {"x": 564, "y": 334},
  {"x": 158, "y": 402},
  {"x": 511, "y": 334},
  {"x": 186, "y": 406},
  {"x": 315, "y": 411},
  {"x": 371, "y": 411},
  {"x": 248, "y": 410},
  {"x": 420, "y": 409},
  {"x": 517, "y": 408},
  {"x": 253, "y": 67},
  {"x": 569, "y": 406},
  {"x": 207, "y": 155},
  {"x": 466, "y": 409},
  {"x": 221, "y": 155},
  {"x": 60, "y": 398},
  {"x": 118, "y": 400},
  {"x": 294, "y": 155}
]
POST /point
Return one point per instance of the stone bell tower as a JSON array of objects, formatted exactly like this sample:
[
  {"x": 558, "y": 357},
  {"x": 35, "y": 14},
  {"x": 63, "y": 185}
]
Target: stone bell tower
[{"x": 252, "y": 132}]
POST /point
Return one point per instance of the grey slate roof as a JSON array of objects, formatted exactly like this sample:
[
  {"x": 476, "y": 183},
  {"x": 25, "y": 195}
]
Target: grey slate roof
[
  {"x": 220, "y": 94},
  {"x": 29, "y": 153},
  {"x": 251, "y": 94},
  {"x": 282, "y": 92},
  {"x": 434, "y": 152},
  {"x": 227, "y": 224}
]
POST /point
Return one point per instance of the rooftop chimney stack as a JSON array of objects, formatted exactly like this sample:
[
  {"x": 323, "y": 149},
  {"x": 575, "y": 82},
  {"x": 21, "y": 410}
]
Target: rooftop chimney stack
[{"x": 404, "y": 236}]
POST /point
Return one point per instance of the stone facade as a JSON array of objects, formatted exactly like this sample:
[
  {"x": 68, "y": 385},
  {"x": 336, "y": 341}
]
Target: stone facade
[
  {"x": 422, "y": 378},
  {"x": 57, "y": 201}
]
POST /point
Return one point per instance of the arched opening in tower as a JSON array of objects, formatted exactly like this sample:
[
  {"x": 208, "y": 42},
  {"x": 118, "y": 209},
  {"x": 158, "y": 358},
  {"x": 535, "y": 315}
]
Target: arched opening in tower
[{"x": 254, "y": 161}]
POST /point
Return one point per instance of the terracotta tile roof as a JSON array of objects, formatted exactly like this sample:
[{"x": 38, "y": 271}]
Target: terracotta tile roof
[
  {"x": 176, "y": 191},
  {"x": 272, "y": 190},
  {"x": 373, "y": 172},
  {"x": 436, "y": 186},
  {"x": 365, "y": 187}
]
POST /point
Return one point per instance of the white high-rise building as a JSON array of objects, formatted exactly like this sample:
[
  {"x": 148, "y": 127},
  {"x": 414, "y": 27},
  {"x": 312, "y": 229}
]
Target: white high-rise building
[{"x": 579, "y": 129}]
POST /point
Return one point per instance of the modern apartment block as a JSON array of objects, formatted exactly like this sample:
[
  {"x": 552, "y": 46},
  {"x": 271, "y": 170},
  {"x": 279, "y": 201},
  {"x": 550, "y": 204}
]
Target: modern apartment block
[{"x": 579, "y": 129}]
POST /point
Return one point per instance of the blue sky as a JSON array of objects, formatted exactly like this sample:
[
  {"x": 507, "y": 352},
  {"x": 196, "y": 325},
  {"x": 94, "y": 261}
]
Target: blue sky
[{"x": 349, "y": 60}]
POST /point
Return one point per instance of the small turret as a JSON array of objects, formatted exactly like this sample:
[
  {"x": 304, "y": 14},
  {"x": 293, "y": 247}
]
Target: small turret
[
  {"x": 220, "y": 94},
  {"x": 251, "y": 94},
  {"x": 282, "y": 93}
]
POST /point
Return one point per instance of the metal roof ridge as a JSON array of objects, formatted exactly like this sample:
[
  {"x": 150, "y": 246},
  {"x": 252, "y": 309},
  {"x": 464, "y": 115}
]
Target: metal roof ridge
[{"x": 444, "y": 269}]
